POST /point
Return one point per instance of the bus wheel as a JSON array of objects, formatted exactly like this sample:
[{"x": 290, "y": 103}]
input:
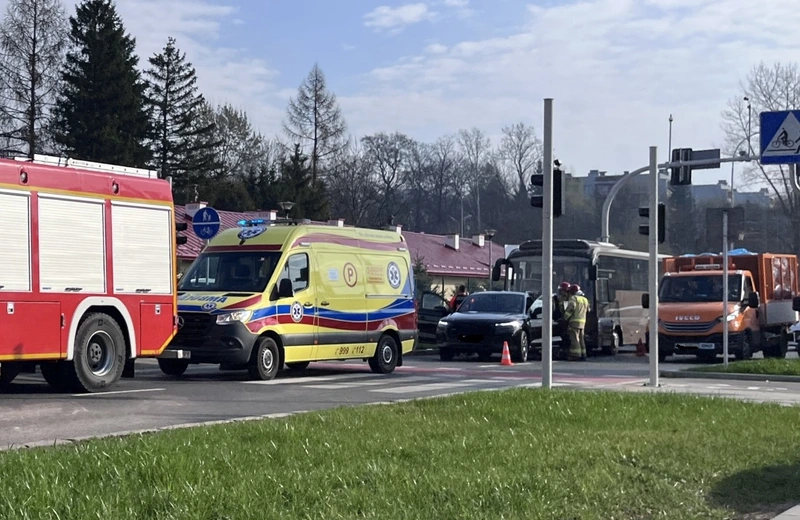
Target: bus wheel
[
  {"x": 99, "y": 356},
  {"x": 265, "y": 360},
  {"x": 173, "y": 367},
  {"x": 298, "y": 365},
  {"x": 8, "y": 372},
  {"x": 385, "y": 358}
]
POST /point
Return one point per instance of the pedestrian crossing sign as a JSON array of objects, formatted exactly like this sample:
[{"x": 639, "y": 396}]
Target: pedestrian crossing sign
[{"x": 780, "y": 137}]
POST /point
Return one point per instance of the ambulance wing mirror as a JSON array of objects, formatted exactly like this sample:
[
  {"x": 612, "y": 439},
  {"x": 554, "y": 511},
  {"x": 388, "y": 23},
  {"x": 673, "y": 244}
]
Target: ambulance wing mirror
[
  {"x": 285, "y": 288},
  {"x": 796, "y": 304},
  {"x": 753, "y": 300},
  {"x": 645, "y": 300}
]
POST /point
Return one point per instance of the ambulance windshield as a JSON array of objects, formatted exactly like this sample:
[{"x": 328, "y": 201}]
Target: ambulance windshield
[{"x": 245, "y": 271}]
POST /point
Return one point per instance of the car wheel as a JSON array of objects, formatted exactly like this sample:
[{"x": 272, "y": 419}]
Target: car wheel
[
  {"x": 446, "y": 354},
  {"x": 521, "y": 354}
]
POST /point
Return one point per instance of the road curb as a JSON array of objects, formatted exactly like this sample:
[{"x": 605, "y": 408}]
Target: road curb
[
  {"x": 791, "y": 514},
  {"x": 675, "y": 374}
]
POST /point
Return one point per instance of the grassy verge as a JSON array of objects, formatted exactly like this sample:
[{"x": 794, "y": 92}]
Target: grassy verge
[
  {"x": 775, "y": 367},
  {"x": 517, "y": 454}
]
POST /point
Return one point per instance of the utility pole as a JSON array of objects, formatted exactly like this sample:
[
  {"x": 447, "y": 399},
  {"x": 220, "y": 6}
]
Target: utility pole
[
  {"x": 547, "y": 247},
  {"x": 725, "y": 311}
]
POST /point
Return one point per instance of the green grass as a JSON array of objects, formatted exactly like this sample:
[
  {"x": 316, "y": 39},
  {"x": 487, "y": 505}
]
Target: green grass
[
  {"x": 517, "y": 454},
  {"x": 775, "y": 367}
]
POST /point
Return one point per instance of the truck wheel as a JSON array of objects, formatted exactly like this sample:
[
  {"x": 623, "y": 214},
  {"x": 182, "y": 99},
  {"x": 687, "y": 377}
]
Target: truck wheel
[
  {"x": 8, "y": 372},
  {"x": 745, "y": 351},
  {"x": 385, "y": 358},
  {"x": 99, "y": 356},
  {"x": 265, "y": 360},
  {"x": 173, "y": 367}
]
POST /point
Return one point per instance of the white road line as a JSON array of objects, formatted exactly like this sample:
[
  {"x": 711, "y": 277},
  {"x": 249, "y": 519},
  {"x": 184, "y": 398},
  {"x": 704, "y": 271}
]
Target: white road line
[
  {"x": 418, "y": 388},
  {"x": 122, "y": 392},
  {"x": 355, "y": 384},
  {"x": 495, "y": 380},
  {"x": 753, "y": 387},
  {"x": 300, "y": 380}
]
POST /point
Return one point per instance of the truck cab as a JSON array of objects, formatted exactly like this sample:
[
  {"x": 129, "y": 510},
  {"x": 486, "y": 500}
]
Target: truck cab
[{"x": 691, "y": 317}]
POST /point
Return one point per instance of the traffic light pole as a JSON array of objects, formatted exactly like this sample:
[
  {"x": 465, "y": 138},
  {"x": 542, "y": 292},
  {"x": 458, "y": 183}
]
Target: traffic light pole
[
  {"x": 653, "y": 266},
  {"x": 547, "y": 247},
  {"x": 725, "y": 310},
  {"x": 604, "y": 221}
]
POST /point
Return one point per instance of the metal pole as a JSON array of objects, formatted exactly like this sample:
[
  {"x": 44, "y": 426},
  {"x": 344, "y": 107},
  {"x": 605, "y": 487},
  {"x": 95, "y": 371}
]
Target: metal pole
[
  {"x": 653, "y": 275},
  {"x": 725, "y": 286},
  {"x": 795, "y": 180},
  {"x": 547, "y": 248}
]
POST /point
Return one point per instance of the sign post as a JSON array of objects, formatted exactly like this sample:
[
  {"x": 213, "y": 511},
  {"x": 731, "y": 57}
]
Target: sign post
[
  {"x": 206, "y": 223},
  {"x": 547, "y": 247}
]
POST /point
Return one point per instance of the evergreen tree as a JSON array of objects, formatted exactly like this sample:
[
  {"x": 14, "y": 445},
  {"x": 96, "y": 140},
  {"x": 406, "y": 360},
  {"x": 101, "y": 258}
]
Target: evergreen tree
[
  {"x": 101, "y": 114},
  {"x": 180, "y": 146},
  {"x": 297, "y": 186}
]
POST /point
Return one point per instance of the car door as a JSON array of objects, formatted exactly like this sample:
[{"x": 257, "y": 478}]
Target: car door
[{"x": 432, "y": 308}]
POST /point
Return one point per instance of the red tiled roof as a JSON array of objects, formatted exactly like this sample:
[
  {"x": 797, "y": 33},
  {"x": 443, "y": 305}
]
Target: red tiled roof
[{"x": 470, "y": 261}]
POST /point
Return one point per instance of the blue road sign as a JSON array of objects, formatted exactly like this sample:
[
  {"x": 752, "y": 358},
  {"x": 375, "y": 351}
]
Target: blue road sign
[
  {"x": 780, "y": 137},
  {"x": 205, "y": 223}
]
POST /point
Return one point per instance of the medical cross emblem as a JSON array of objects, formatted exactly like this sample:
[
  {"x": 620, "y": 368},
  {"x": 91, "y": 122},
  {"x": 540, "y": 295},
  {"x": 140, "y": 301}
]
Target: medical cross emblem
[
  {"x": 297, "y": 312},
  {"x": 393, "y": 274}
]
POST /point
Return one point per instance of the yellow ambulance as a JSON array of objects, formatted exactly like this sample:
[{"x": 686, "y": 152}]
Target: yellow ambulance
[{"x": 269, "y": 293}]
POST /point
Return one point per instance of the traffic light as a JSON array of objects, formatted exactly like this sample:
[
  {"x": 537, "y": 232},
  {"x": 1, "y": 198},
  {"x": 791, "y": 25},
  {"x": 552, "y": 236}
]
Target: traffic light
[
  {"x": 180, "y": 226},
  {"x": 644, "y": 229},
  {"x": 537, "y": 179},
  {"x": 681, "y": 175}
]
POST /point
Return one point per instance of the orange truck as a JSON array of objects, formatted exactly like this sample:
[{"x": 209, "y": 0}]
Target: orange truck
[{"x": 762, "y": 305}]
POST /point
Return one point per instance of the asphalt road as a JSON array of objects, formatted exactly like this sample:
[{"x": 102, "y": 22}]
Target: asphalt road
[{"x": 32, "y": 414}]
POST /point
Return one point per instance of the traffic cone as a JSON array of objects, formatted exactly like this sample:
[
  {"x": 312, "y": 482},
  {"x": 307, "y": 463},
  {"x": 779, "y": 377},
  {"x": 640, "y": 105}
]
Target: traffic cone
[
  {"x": 506, "y": 359},
  {"x": 640, "y": 350}
]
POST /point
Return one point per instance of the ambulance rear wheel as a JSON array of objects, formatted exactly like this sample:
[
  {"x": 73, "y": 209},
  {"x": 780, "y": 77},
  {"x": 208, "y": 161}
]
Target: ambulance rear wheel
[
  {"x": 99, "y": 356},
  {"x": 385, "y": 359},
  {"x": 265, "y": 360},
  {"x": 298, "y": 365}
]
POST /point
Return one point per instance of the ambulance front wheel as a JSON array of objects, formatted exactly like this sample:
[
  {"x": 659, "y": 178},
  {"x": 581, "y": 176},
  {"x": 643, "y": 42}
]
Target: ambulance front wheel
[
  {"x": 385, "y": 359},
  {"x": 265, "y": 360}
]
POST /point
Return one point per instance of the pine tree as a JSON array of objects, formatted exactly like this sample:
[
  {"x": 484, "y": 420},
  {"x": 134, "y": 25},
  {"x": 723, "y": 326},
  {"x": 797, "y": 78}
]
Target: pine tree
[
  {"x": 315, "y": 117},
  {"x": 181, "y": 147},
  {"x": 100, "y": 114}
]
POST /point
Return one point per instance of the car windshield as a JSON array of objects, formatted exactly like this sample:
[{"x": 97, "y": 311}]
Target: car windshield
[
  {"x": 494, "y": 302},
  {"x": 700, "y": 288},
  {"x": 245, "y": 271}
]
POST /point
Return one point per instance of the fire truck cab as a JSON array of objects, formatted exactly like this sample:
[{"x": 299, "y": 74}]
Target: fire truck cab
[{"x": 87, "y": 270}]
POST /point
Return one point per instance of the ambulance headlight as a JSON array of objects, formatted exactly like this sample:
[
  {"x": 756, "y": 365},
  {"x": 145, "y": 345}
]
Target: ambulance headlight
[{"x": 233, "y": 317}]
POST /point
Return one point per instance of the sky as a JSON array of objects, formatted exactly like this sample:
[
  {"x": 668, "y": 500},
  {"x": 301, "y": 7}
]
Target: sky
[{"x": 616, "y": 69}]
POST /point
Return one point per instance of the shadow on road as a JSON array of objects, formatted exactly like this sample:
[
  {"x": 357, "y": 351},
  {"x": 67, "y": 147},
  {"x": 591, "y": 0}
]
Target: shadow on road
[{"x": 759, "y": 493}]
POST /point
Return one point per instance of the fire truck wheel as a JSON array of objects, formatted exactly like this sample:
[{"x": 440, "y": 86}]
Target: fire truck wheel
[
  {"x": 99, "y": 357},
  {"x": 265, "y": 360},
  {"x": 8, "y": 372},
  {"x": 173, "y": 367}
]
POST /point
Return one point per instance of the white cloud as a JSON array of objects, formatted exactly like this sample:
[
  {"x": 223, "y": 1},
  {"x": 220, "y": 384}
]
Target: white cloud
[
  {"x": 436, "y": 48},
  {"x": 616, "y": 68},
  {"x": 394, "y": 19},
  {"x": 456, "y": 3}
]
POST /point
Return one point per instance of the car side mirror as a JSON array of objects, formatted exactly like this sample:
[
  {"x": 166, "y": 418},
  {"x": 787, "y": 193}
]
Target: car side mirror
[
  {"x": 646, "y": 300},
  {"x": 285, "y": 288},
  {"x": 796, "y": 304},
  {"x": 753, "y": 300}
]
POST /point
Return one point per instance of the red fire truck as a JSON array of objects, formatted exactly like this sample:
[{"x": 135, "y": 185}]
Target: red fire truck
[{"x": 87, "y": 270}]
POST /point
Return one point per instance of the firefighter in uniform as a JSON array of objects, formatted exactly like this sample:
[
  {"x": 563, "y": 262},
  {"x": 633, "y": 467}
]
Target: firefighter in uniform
[{"x": 577, "y": 308}]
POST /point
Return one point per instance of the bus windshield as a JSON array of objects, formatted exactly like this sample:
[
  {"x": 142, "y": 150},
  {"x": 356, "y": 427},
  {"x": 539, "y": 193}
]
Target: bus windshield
[
  {"x": 699, "y": 288},
  {"x": 245, "y": 271},
  {"x": 572, "y": 269}
]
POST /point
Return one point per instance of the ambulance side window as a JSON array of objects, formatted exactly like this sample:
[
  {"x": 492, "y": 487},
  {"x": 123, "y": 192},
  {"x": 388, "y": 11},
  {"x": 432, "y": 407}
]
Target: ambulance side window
[{"x": 296, "y": 270}]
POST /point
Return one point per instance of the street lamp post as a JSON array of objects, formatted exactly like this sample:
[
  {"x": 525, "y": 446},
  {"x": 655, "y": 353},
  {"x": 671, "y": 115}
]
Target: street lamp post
[
  {"x": 286, "y": 206},
  {"x": 490, "y": 234}
]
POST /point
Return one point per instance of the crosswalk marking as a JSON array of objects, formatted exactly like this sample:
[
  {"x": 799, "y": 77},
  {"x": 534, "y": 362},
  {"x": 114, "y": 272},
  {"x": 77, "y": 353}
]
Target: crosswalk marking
[
  {"x": 355, "y": 384},
  {"x": 419, "y": 388},
  {"x": 301, "y": 379}
]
